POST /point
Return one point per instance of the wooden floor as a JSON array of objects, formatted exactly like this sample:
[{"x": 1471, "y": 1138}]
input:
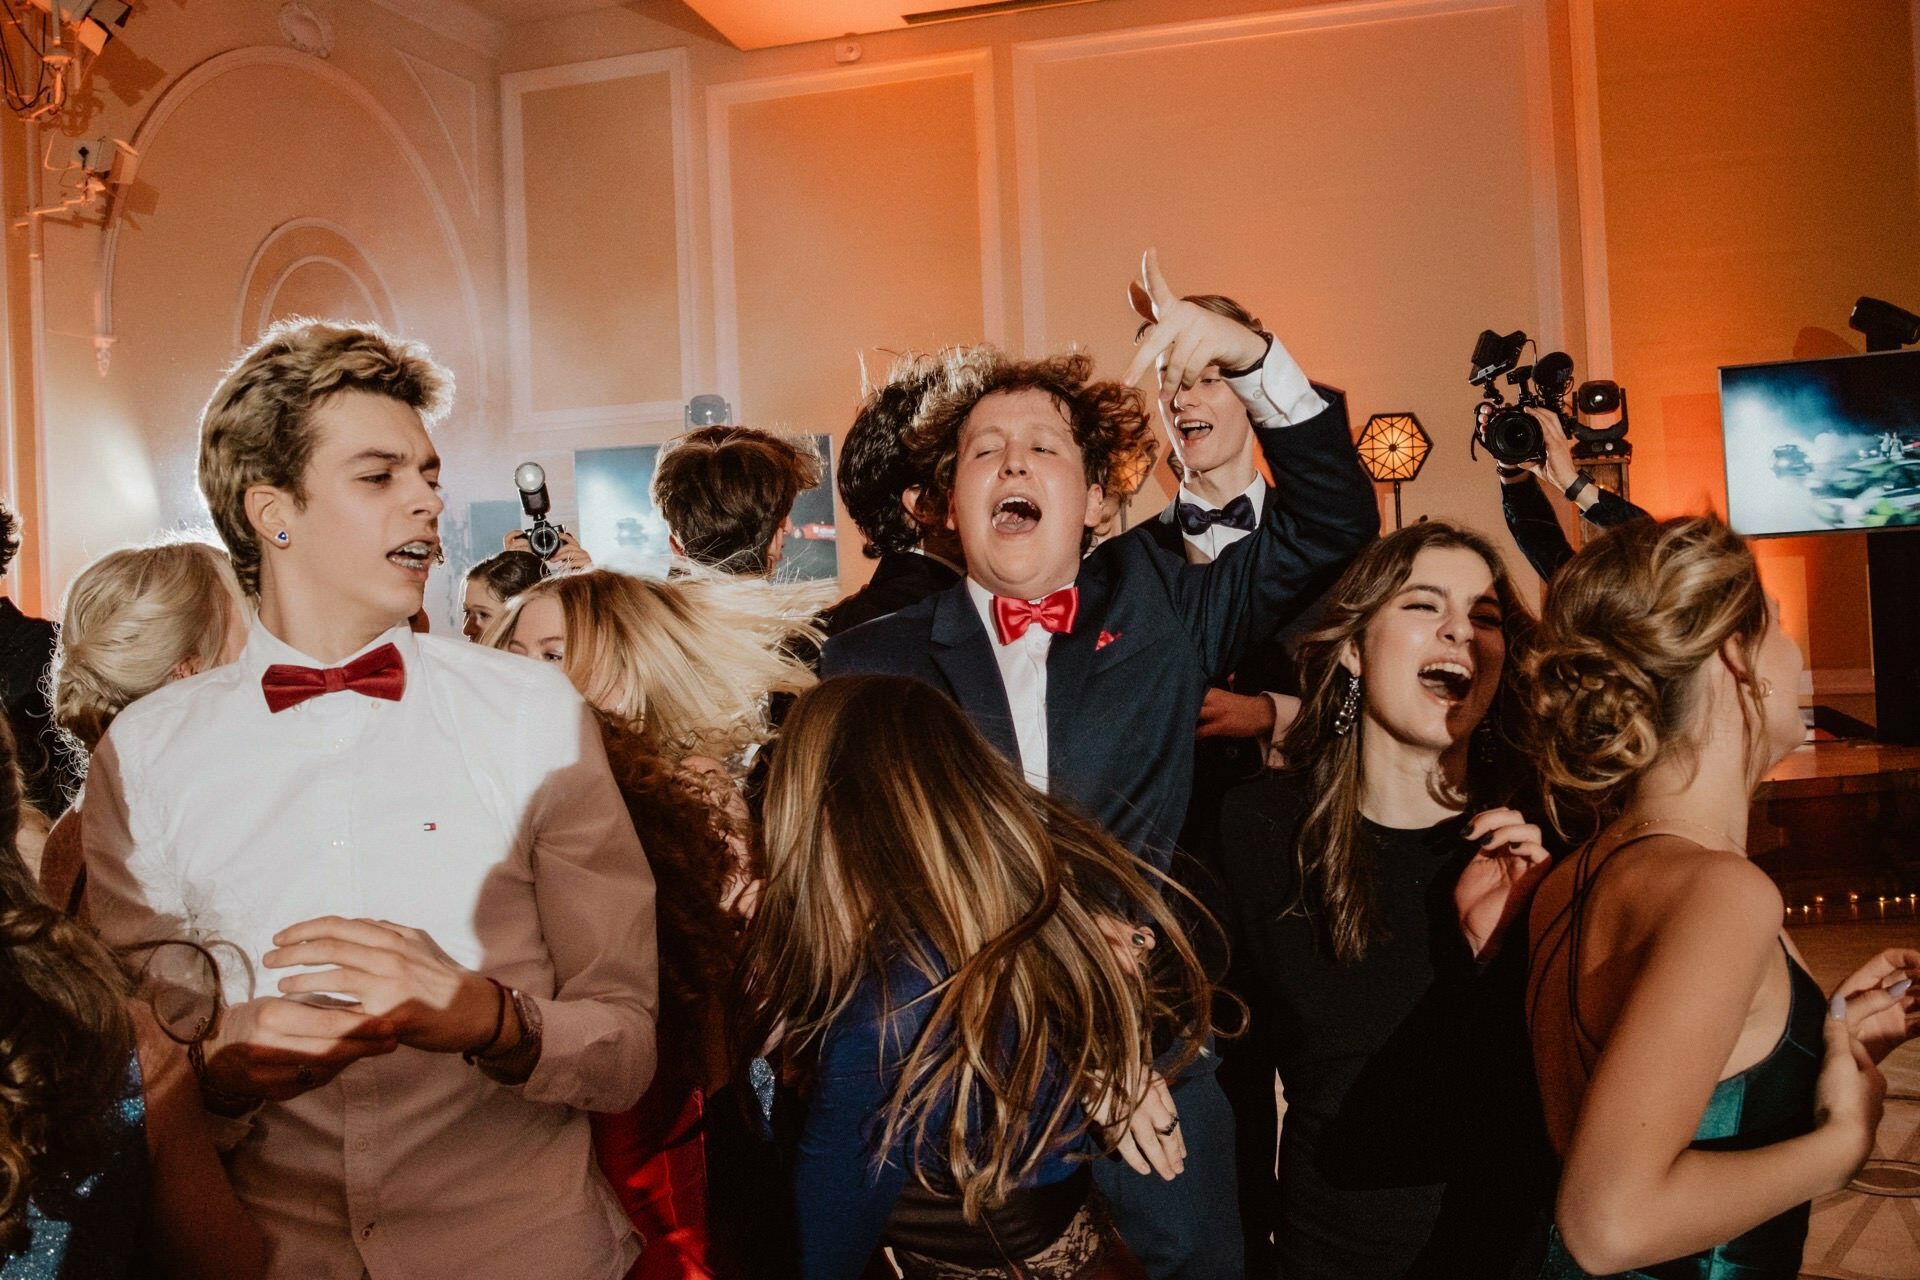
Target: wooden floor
[{"x": 1856, "y": 1234}]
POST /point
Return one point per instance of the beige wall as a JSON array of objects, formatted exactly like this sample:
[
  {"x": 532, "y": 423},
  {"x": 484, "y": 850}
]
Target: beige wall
[
  {"x": 271, "y": 182},
  {"x": 1755, "y": 183},
  {"x": 1379, "y": 182}
]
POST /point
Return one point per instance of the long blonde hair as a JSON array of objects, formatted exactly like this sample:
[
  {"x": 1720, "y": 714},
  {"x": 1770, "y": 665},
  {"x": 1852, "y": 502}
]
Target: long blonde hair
[
  {"x": 1336, "y": 869},
  {"x": 896, "y": 835},
  {"x": 687, "y": 663},
  {"x": 131, "y": 619}
]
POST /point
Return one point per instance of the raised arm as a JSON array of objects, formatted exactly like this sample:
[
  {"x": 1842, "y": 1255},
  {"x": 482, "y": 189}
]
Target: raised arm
[{"x": 1322, "y": 510}]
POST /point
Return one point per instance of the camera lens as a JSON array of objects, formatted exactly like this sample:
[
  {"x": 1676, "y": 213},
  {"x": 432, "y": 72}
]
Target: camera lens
[
  {"x": 543, "y": 540},
  {"x": 1513, "y": 437}
]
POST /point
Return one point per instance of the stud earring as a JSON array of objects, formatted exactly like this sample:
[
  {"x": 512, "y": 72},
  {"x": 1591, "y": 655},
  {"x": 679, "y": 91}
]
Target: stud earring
[
  {"x": 1763, "y": 688},
  {"x": 281, "y": 537}
]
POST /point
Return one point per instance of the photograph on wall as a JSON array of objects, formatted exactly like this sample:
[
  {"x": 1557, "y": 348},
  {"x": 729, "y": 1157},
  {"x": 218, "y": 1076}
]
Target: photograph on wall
[{"x": 622, "y": 530}]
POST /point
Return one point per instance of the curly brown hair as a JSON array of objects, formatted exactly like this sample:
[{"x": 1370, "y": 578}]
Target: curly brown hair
[
  {"x": 1108, "y": 419},
  {"x": 684, "y": 836},
  {"x": 66, "y": 1036}
]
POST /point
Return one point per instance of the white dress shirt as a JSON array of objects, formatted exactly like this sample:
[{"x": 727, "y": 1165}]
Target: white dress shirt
[
  {"x": 478, "y": 808},
  {"x": 1023, "y": 670},
  {"x": 1205, "y": 546}
]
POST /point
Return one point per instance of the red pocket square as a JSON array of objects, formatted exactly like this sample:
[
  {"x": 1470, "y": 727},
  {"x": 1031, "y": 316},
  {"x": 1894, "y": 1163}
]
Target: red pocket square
[{"x": 1106, "y": 638}]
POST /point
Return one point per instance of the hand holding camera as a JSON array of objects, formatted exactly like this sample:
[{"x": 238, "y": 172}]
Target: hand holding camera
[
  {"x": 551, "y": 543},
  {"x": 1514, "y": 434}
]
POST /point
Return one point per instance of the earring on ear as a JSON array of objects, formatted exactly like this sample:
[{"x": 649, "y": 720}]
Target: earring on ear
[
  {"x": 281, "y": 537},
  {"x": 1763, "y": 688},
  {"x": 1349, "y": 710}
]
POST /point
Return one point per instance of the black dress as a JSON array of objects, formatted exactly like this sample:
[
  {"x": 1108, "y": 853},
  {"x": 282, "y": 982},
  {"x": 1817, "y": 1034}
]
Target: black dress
[{"x": 1412, "y": 1143}]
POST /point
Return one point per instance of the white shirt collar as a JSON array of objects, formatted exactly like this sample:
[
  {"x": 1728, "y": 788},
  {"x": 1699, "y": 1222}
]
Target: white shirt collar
[
  {"x": 265, "y": 648},
  {"x": 1255, "y": 493}
]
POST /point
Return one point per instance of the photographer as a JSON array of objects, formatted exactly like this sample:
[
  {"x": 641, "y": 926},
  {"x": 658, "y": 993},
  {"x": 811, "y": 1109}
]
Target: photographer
[{"x": 1530, "y": 515}]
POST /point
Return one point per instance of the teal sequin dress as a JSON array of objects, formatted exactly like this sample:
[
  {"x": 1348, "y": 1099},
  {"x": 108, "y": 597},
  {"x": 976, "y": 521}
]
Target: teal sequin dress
[
  {"x": 1769, "y": 1102},
  {"x": 87, "y": 1231}
]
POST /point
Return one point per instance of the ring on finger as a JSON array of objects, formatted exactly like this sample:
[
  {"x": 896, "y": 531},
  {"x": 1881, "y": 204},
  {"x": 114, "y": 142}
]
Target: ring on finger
[
  {"x": 1171, "y": 1126},
  {"x": 304, "y": 1076}
]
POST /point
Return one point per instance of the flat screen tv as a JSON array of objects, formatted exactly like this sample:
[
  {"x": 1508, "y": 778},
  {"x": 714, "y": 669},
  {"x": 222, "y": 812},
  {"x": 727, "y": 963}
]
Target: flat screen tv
[{"x": 1818, "y": 446}]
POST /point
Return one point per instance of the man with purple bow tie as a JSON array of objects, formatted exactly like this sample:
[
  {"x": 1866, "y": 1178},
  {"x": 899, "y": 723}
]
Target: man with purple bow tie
[{"x": 414, "y": 843}]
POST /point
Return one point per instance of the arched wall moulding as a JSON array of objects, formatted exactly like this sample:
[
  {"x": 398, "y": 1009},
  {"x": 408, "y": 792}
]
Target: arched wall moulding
[
  {"x": 305, "y": 242},
  {"x": 367, "y": 277}
]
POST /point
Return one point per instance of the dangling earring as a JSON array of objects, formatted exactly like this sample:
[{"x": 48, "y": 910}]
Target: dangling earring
[
  {"x": 1349, "y": 712},
  {"x": 281, "y": 537}
]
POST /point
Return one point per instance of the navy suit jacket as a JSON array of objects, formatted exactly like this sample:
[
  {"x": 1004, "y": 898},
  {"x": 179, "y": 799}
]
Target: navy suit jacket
[{"x": 1124, "y": 688}]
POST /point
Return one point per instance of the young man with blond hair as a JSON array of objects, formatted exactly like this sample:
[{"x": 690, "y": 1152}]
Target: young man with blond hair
[{"x": 415, "y": 844}]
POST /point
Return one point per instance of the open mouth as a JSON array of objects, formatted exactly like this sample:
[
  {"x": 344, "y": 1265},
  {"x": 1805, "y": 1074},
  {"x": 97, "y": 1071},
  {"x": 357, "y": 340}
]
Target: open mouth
[
  {"x": 1015, "y": 514},
  {"x": 1192, "y": 429},
  {"x": 1448, "y": 681},
  {"x": 418, "y": 555}
]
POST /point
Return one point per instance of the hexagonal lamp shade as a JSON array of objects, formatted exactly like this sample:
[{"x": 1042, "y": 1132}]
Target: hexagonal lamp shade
[{"x": 1393, "y": 447}]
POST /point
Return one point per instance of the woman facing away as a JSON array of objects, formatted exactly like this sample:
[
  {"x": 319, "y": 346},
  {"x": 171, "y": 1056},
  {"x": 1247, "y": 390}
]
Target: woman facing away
[
  {"x": 1696, "y": 1087},
  {"x": 133, "y": 620},
  {"x": 679, "y": 673},
  {"x": 1366, "y": 907},
  {"x": 935, "y": 941},
  {"x": 106, "y": 1168}
]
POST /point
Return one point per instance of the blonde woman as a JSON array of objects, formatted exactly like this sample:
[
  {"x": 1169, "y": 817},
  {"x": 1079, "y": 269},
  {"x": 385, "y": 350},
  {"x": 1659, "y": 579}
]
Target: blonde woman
[
  {"x": 133, "y": 620},
  {"x": 683, "y": 672},
  {"x": 1699, "y": 1087},
  {"x": 935, "y": 944}
]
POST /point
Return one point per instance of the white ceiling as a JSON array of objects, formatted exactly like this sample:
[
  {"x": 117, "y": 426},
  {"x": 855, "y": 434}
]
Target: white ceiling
[{"x": 510, "y": 13}]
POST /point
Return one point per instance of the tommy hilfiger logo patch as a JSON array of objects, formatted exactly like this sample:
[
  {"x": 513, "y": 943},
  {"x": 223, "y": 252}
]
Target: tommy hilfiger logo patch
[{"x": 1106, "y": 638}]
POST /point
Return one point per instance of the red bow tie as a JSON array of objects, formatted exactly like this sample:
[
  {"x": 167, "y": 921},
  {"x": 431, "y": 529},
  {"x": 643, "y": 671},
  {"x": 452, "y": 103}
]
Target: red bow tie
[
  {"x": 1012, "y": 616},
  {"x": 380, "y": 674}
]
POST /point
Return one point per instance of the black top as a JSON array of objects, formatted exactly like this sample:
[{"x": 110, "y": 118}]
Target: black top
[
  {"x": 1124, "y": 688},
  {"x": 1537, "y": 532},
  {"x": 1411, "y": 1143},
  {"x": 26, "y": 651},
  {"x": 900, "y": 579}
]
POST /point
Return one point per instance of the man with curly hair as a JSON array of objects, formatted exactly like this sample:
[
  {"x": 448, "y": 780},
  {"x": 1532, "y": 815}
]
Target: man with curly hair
[
  {"x": 1090, "y": 672},
  {"x": 880, "y": 484}
]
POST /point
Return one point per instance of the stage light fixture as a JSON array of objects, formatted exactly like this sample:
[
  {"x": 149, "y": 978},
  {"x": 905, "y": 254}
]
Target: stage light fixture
[{"x": 1887, "y": 327}]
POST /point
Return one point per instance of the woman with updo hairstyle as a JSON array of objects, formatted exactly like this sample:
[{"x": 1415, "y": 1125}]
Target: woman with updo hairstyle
[
  {"x": 106, "y": 1167},
  {"x": 133, "y": 620},
  {"x": 680, "y": 673},
  {"x": 1367, "y": 889},
  {"x": 1698, "y": 1087}
]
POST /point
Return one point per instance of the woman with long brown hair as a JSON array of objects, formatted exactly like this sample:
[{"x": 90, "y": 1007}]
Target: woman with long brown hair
[
  {"x": 1361, "y": 915},
  {"x": 106, "y": 1168},
  {"x": 934, "y": 939},
  {"x": 1698, "y": 1086}
]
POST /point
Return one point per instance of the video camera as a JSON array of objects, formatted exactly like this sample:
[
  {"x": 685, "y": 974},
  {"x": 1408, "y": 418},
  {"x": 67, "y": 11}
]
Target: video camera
[{"x": 1510, "y": 433}]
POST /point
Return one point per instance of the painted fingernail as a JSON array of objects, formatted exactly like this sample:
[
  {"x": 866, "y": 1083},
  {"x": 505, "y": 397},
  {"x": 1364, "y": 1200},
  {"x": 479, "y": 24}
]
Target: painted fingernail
[
  {"x": 1837, "y": 1007},
  {"x": 1899, "y": 988}
]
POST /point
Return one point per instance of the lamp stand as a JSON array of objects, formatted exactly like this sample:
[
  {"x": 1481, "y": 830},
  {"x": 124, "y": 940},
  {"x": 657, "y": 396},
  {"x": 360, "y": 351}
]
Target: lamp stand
[{"x": 1396, "y": 504}]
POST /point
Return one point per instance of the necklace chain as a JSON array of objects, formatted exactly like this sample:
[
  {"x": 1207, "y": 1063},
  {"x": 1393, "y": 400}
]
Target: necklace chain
[{"x": 1718, "y": 834}]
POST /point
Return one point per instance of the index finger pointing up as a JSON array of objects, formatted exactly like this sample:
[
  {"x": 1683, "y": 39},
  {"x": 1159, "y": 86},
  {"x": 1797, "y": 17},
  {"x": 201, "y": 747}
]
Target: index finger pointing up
[{"x": 1157, "y": 287}]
